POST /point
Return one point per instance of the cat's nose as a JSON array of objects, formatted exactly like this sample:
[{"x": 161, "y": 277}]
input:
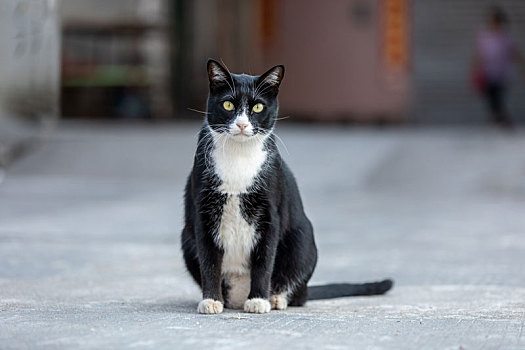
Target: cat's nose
[{"x": 242, "y": 126}]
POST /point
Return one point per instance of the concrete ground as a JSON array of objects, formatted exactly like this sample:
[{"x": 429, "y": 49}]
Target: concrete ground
[{"x": 90, "y": 258}]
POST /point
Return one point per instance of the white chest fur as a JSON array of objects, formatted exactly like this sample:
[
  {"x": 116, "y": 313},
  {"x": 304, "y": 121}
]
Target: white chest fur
[
  {"x": 237, "y": 165},
  {"x": 236, "y": 237}
]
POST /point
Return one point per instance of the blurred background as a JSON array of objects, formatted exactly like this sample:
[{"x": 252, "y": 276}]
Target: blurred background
[{"x": 361, "y": 61}]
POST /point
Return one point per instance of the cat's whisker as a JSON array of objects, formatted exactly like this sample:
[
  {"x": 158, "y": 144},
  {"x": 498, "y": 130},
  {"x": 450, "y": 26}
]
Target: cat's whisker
[
  {"x": 233, "y": 82},
  {"x": 231, "y": 88},
  {"x": 224, "y": 145},
  {"x": 260, "y": 92},
  {"x": 198, "y": 111},
  {"x": 281, "y": 140},
  {"x": 286, "y": 117},
  {"x": 253, "y": 89},
  {"x": 201, "y": 141},
  {"x": 257, "y": 89},
  {"x": 205, "y": 142}
]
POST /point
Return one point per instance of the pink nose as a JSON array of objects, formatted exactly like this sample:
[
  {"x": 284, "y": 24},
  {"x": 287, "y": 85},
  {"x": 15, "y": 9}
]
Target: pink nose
[{"x": 242, "y": 126}]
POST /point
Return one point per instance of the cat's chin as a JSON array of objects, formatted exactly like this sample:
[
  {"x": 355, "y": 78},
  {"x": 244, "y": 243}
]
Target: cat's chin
[{"x": 241, "y": 137}]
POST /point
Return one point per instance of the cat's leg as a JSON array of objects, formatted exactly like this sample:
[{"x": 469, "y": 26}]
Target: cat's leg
[
  {"x": 281, "y": 283},
  {"x": 198, "y": 248},
  {"x": 279, "y": 301},
  {"x": 296, "y": 295},
  {"x": 262, "y": 260},
  {"x": 211, "y": 260},
  {"x": 187, "y": 237},
  {"x": 294, "y": 264},
  {"x": 189, "y": 250},
  {"x": 209, "y": 254},
  {"x": 299, "y": 295}
]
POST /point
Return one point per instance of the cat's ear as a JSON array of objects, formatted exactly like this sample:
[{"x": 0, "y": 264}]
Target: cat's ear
[
  {"x": 272, "y": 78},
  {"x": 218, "y": 75}
]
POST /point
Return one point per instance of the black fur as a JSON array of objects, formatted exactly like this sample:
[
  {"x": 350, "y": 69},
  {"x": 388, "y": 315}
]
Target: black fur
[
  {"x": 285, "y": 255},
  {"x": 337, "y": 290}
]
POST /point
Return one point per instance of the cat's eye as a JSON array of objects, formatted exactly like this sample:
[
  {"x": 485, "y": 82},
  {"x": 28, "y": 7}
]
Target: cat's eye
[
  {"x": 228, "y": 105},
  {"x": 258, "y": 108}
]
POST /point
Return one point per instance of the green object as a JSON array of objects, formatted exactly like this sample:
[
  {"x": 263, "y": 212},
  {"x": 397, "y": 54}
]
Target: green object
[{"x": 109, "y": 76}]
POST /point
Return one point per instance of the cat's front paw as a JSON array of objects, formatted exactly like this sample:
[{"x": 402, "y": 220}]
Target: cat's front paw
[
  {"x": 210, "y": 306},
  {"x": 279, "y": 302},
  {"x": 257, "y": 306}
]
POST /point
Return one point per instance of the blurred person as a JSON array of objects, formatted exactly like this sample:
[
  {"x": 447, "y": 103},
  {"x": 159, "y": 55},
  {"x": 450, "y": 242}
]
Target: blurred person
[{"x": 495, "y": 51}]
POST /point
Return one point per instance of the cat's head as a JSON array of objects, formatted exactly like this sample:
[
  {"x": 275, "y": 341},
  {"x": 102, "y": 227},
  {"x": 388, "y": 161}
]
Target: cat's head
[{"x": 243, "y": 106}]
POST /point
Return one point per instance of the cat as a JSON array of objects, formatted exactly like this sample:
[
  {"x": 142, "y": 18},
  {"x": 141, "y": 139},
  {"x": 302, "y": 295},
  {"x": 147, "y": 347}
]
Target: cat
[{"x": 247, "y": 241}]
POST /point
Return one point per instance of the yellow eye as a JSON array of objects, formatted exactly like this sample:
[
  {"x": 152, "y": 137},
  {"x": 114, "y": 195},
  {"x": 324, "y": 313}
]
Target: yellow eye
[
  {"x": 258, "y": 108},
  {"x": 228, "y": 105}
]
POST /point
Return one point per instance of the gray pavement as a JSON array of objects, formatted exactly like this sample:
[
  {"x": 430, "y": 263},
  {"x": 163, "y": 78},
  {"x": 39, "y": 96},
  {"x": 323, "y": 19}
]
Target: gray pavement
[{"x": 89, "y": 252}]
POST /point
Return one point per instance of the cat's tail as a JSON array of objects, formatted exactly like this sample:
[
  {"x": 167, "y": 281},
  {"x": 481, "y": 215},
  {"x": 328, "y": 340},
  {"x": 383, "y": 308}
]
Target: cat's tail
[{"x": 337, "y": 290}]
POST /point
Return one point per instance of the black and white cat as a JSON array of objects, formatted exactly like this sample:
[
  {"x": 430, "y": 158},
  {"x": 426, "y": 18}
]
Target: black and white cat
[{"x": 247, "y": 241}]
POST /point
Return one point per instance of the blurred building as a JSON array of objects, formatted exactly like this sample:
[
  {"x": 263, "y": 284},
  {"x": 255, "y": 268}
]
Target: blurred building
[
  {"x": 115, "y": 59},
  {"x": 29, "y": 73},
  {"x": 370, "y": 61}
]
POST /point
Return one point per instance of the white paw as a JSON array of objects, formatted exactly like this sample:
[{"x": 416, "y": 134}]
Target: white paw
[
  {"x": 210, "y": 306},
  {"x": 257, "y": 306},
  {"x": 279, "y": 302}
]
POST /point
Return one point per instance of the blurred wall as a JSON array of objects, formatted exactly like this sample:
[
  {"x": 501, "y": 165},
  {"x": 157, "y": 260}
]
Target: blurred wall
[
  {"x": 29, "y": 72},
  {"x": 333, "y": 52},
  {"x": 335, "y": 59}
]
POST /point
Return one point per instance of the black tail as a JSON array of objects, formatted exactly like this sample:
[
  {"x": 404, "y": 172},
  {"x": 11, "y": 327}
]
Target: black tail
[{"x": 338, "y": 290}]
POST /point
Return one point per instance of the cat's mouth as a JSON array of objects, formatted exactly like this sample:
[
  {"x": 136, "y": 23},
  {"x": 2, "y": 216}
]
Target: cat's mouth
[{"x": 241, "y": 135}]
